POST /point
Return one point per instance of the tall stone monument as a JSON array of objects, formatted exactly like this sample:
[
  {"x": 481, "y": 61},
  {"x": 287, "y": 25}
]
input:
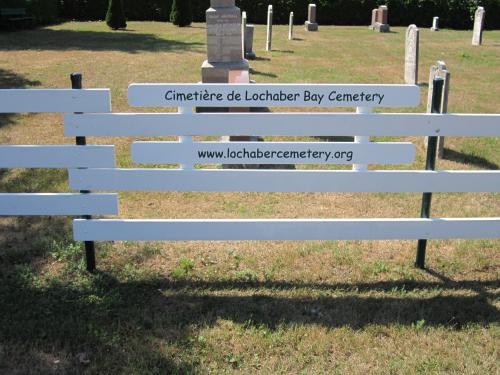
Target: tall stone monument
[
  {"x": 311, "y": 24},
  {"x": 243, "y": 31},
  {"x": 374, "y": 18},
  {"x": 411, "y": 55},
  {"x": 224, "y": 43},
  {"x": 477, "y": 36},
  {"x": 435, "y": 24},
  {"x": 290, "y": 27},
  {"x": 249, "y": 32},
  {"x": 382, "y": 24},
  {"x": 269, "y": 39}
]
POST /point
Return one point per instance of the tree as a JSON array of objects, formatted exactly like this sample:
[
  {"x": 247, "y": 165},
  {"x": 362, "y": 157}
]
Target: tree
[
  {"x": 115, "y": 18},
  {"x": 181, "y": 14}
]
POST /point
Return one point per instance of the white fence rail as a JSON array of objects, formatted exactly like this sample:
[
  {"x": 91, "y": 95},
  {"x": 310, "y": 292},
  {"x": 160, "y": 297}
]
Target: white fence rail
[
  {"x": 283, "y": 180},
  {"x": 239, "y": 230},
  {"x": 281, "y": 124},
  {"x": 54, "y": 100}
]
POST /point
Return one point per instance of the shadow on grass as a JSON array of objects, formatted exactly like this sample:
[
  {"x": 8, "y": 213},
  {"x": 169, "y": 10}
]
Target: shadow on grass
[
  {"x": 63, "y": 40},
  {"x": 460, "y": 157},
  {"x": 263, "y": 74},
  {"x": 150, "y": 324},
  {"x": 119, "y": 324},
  {"x": 12, "y": 80}
]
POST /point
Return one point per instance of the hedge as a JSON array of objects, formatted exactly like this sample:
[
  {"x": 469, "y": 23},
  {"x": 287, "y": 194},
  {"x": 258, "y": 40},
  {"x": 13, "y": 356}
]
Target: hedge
[{"x": 456, "y": 14}]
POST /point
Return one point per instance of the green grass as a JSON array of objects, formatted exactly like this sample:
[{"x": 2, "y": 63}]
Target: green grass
[{"x": 318, "y": 307}]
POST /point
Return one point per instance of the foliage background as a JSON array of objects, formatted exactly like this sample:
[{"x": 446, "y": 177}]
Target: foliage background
[{"x": 455, "y": 14}]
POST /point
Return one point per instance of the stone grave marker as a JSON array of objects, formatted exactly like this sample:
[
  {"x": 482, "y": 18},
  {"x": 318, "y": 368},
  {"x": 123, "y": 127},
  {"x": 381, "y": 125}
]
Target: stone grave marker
[
  {"x": 477, "y": 36},
  {"x": 290, "y": 27},
  {"x": 311, "y": 24},
  {"x": 435, "y": 24},
  {"x": 269, "y": 41},
  {"x": 411, "y": 55},
  {"x": 243, "y": 32},
  {"x": 374, "y": 19},
  {"x": 224, "y": 42},
  {"x": 249, "y": 33},
  {"x": 382, "y": 24}
]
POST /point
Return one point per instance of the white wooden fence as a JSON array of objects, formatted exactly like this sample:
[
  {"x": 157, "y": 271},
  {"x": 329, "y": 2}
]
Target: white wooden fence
[
  {"x": 56, "y": 156},
  {"x": 92, "y": 167}
]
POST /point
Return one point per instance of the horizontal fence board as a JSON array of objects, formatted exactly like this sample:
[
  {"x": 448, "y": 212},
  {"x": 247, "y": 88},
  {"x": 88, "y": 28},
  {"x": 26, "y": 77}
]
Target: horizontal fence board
[
  {"x": 60, "y": 156},
  {"x": 293, "y": 124},
  {"x": 54, "y": 100},
  {"x": 272, "y": 95},
  {"x": 272, "y": 153},
  {"x": 55, "y": 204},
  {"x": 283, "y": 180},
  {"x": 236, "y": 230}
]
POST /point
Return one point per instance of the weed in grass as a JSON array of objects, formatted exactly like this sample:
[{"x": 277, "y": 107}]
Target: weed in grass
[
  {"x": 246, "y": 274},
  {"x": 183, "y": 270}
]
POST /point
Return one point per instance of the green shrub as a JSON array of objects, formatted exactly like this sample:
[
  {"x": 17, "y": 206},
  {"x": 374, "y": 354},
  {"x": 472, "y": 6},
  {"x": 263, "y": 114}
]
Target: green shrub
[
  {"x": 115, "y": 18},
  {"x": 181, "y": 14},
  {"x": 455, "y": 14}
]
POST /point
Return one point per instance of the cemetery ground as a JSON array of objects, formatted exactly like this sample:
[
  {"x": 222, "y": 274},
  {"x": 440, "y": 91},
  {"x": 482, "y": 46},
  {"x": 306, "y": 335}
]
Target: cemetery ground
[{"x": 347, "y": 307}]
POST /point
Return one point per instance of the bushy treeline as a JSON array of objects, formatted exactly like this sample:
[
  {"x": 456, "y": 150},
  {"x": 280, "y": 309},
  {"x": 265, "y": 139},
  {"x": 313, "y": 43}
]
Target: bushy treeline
[{"x": 457, "y": 14}]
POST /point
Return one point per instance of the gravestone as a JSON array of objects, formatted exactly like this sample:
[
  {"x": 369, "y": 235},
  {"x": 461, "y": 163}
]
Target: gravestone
[
  {"x": 224, "y": 42},
  {"x": 311, "y": 24},
  {"x": 477, "y": 36},
  {"x": 269, "y": 40},
  {"x": 249, "y": 32},
  {"x": 382, "y": 24},
  {"x": 439, "y": 70},
  {"x": 290, "y": 27},
  {"x": 243, "y": 32},
  {"x": 411, "y": 55},
  {"x": 374, "y": 19},
  {"x": 435, "y": 24}
]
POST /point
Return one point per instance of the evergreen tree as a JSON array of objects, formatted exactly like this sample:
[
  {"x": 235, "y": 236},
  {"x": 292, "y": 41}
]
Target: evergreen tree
[
  {"x": 181, "y": 14},
  {"x": 115, "y": 18}
]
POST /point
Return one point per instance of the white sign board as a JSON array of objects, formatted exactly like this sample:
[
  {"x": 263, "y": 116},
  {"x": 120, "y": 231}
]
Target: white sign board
[
  {"x": 271, "y": 95},
  {"x": 272, "y": 153}
]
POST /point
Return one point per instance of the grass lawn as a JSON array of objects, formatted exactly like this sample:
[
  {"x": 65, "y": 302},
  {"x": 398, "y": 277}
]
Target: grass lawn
[{"x": 346, "y": 307}]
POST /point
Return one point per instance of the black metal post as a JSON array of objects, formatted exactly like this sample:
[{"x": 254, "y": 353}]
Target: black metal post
[
  {"x": 76, "y": 83},
  {"x": 430, "y": 165}
]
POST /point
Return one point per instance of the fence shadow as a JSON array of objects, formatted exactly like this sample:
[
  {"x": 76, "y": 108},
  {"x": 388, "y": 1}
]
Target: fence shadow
[
  {"x": 63, "y": 40},
  {"x": 109, "y": 319},
  {"x": 463, "y": 158}
]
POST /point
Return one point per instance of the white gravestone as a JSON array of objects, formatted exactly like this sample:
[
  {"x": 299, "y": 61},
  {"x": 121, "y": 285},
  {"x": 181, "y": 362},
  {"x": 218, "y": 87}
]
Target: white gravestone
[
  {"x": 411, "y": 55},
  {"x": 269, "y": 41},
  {"x": 477, "y": 36},
  {"x": 435, "y": 24},
  {"x": 290, "y": 27},
  {"x": 243, "y": 32}
]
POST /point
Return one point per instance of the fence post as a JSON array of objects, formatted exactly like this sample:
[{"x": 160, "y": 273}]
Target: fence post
[
  {"x": 430, "y": 165},
  {"x": 362, "y": 139},
  {"x": 76, "y": 83},
  {"x": 186, "y": 111}
]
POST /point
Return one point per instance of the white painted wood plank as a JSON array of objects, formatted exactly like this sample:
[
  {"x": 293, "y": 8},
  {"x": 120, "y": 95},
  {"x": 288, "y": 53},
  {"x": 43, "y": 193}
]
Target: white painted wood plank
[
  {"x": 54, "y": 100},
  {"x": 59, "y": 156},
  {"x": 313, "y": 229},
  {"x": 294, "y": 124},
  {"x": 283, "y": 180},
  {"x": 272, "y": 153},
  {"x": 58, "y": 204},
  {"x": 272, "y": 95}
]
